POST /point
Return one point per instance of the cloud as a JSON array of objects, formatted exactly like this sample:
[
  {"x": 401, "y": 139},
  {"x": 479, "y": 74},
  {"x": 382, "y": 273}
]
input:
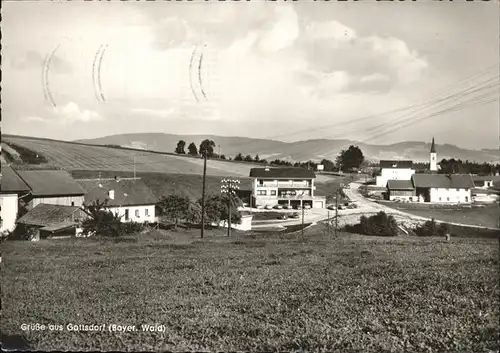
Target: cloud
[
  {"x": 71, "y": 113},
  {"x": 35, "y": 119},
  {"x": 33, "y": 60},
  {"x": 283, "y": 33},
  {"x": 330, "y": 46}
]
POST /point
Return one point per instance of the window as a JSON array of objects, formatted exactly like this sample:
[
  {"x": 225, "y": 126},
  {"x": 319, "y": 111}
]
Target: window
[
  {"x": 458, "y": 189},
  {"x": 137, "y": 215},
  {"x": 439, "y": 199},
  {"x": 146, "y": 212},
  {"x": 273, "y": 192},
  {"x": 466, "y": 199},
  {"x": 261, "y": 192},
  {"x": 447, "y": 199},
  {"x": 126, "y": 214},
  {"x": 72, "y": 203}
]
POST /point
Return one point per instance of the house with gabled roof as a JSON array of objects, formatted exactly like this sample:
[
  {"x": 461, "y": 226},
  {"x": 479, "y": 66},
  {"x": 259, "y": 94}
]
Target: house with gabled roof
[
  {"x": 435, "y": 188},
  {"x": 46, "y": 220},
  {"x": 12, "y": 187},
  {"x": 55, "y": 187},
  {"x": 131, "y": 199}
]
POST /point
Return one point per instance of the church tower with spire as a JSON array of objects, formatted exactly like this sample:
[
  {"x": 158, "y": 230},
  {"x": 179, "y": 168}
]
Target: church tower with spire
[{"x": 433, "y": 158}]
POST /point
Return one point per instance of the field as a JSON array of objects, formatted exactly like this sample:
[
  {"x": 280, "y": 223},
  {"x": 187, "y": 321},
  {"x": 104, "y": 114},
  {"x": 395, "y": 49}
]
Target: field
[
  {"x": 71, "y": 156},
  {"x": 258, "y": 293},
  {"x": 487, "y": 216}
]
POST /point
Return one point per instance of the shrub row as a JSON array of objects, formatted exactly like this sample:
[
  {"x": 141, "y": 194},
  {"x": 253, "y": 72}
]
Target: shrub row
[{"x": 28, "y": 156}]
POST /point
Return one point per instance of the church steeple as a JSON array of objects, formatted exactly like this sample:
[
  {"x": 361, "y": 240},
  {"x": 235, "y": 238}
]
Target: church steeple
[
  {"x": 433, "y": 147},
  {"x": 433, "y": 157}
]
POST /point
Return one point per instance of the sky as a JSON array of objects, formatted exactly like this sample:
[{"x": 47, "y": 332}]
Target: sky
[{"x": 372, "y": 72}]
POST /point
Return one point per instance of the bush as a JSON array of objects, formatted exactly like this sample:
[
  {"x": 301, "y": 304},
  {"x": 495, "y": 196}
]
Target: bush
[
  {"x": 101, "y": 222},
  {"x": 132, "y": 227},
  {"x": 380, "y": 224},
  {"x": 432, "y": 229}
]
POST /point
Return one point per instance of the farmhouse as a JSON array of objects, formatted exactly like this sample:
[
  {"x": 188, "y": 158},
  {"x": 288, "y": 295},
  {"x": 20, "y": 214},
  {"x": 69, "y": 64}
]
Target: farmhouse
[
  {"x": 129, "y": 198},
  {"x": 55, "y": 187},
  {"x": 443, "y": 188},
  {"x": 394, "y": 170},
  {"x": 11, "y": 188},
  {"x": 438, "y": 188},
  {"x": 285, "y": 186},
  {"x": 46, "y": 220}
]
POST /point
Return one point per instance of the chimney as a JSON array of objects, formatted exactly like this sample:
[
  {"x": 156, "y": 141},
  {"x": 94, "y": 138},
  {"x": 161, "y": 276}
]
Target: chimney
[{"x": 111, "y": 194}]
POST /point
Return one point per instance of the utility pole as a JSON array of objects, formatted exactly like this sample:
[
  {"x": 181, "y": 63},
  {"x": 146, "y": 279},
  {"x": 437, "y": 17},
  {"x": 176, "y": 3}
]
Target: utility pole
[
  {"x": 219, "y": 151},
  {"x": 328, "y": 222},
  {"x": 203, "y": 194},
  {"x": 336, "y": 211},
  {"x": 302, "y": 232},
  {"x": 229, "y": 187}
]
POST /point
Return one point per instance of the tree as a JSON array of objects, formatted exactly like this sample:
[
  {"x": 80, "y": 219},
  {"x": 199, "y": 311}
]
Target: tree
[
  {"x": 328, "y": 165},
  {"x": 192, "y": 151},
  {"x": 238, "y": 157},
  {"x": 207, "y": 148},
  {"x": 180, "y": 147},
  {"x": 350, "y": 159},
  {"x": 174, "y": 207},
  {"x": 248, "y": 158},
  {"x": 380, "y": 224},
  {"x": 222, "y": 156},
  {"x": 101, "y": 221},
  {"x": 217, "y": 209},
  {"x": 257, "y": 158}
]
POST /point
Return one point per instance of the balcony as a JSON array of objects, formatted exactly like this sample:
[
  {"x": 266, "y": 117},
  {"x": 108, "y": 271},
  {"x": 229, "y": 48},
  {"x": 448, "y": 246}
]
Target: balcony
[{"x": 284, "y": 185}]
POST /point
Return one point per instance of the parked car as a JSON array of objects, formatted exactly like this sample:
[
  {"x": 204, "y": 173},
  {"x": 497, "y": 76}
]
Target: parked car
[
  {"x": 269, "y": 207},
  {"x": 278, "y": 206},
  {"x": 331, "y": 207},
  {"x": 282, "y": 216},
  {"x": 295, "y": 215},
  {"x": 307, "y": 206},
  {"x": 287, "y": 207}
]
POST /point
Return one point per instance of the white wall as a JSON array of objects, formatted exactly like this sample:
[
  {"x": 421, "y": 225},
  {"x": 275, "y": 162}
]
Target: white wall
[
  {"x": 140, "y": 218},
  {"x": 393, "y": 174},
  {"x": 452, "y": 195},
  {"x": 8, "y": 210},
  {"x": 60, "y": 200}
]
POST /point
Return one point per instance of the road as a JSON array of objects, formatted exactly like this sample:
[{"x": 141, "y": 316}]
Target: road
[{"x": 351, "y": 216}]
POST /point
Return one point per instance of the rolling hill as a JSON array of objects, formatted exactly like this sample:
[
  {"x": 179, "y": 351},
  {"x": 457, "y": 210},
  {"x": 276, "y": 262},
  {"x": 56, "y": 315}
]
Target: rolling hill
[
  {"x": 73, "y": 156},
  {"x": 297, "y": 151}
]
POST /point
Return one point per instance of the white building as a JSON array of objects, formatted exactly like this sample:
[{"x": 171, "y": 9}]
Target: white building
[
  {"x": 394, "y": 170},
  {"x": 11, "y": 188},
  {"x": 285, "y": 186},
  {"x": 129, "y": 198},
  {"x": 443, "y": 188}
]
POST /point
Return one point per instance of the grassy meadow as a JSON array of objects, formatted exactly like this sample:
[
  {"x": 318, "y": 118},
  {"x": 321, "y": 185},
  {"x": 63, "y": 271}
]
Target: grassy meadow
[
  {"x": 72, "y": 156},
  {"x": 486, "y": 215},
  {"x": 256, "y": 292}
]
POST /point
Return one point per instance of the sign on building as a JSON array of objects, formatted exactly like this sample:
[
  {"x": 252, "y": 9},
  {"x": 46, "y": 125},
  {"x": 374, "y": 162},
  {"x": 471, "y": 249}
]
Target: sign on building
[{"x": 320, "y": 167}]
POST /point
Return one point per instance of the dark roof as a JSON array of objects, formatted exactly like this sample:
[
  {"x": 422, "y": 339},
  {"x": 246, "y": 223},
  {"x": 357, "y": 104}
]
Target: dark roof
[
  {"x": 433, "y": 147},
  {"x": 396, "y": 164},
  {"x": 48, "y": 215},
  {"x": 400, "y": 185},
  {"x": 126, "y": 192},
  {"x": 485, "y": 177},
  {"x": 282, "y": 173},
  {"x": 442, "y": 181},
  {"x": 11, "y": 182},
  {"x": 50, "y": 182}
]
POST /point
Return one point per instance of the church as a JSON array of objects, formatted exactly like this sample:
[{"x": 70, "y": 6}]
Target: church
[{"x": 432, "y": 187}]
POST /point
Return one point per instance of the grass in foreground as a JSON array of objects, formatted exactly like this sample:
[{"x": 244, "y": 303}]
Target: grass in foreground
[{"x": 258, "y": 293}]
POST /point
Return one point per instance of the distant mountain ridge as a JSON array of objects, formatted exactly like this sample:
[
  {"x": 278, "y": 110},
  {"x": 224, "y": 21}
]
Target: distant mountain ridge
[{"x": 315, "y": 149}]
